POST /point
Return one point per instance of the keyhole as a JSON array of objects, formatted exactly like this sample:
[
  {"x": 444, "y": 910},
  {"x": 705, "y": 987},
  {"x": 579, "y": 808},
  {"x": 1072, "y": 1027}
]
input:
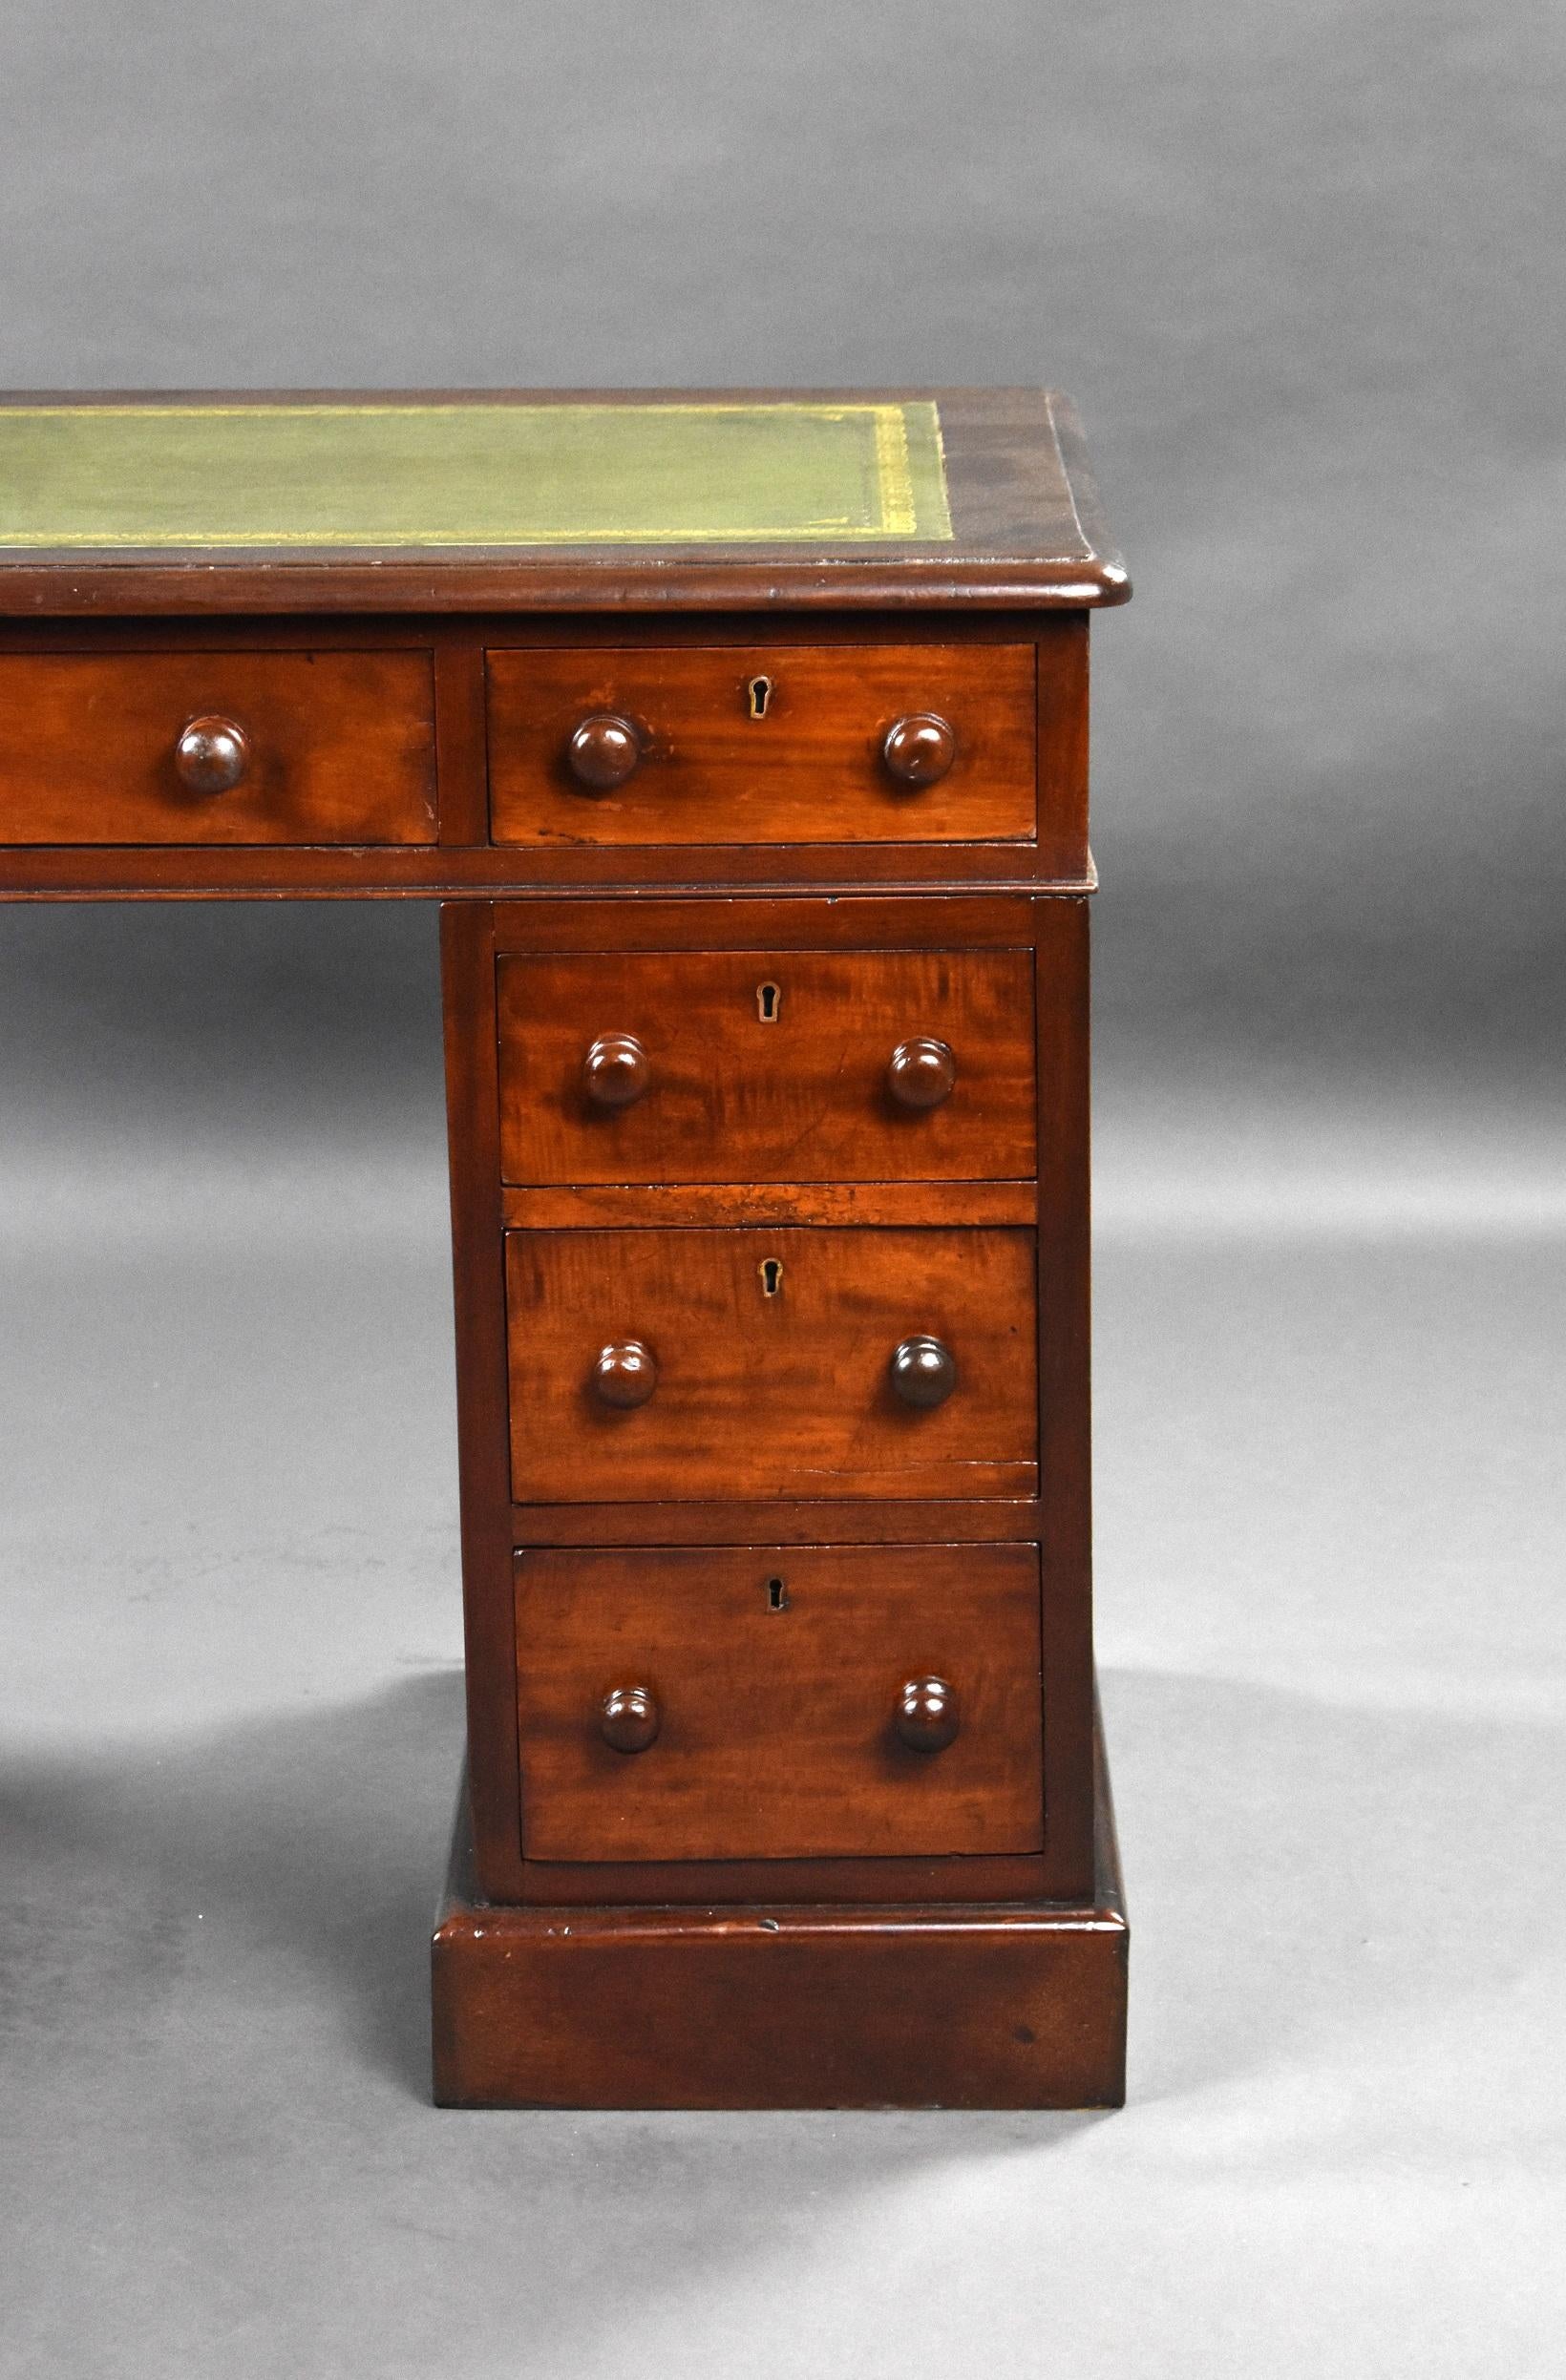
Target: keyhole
[
  {"x": 772, "y": 1275},
  {"x": 778, "y": 1595},
  {"x": 760, "y": 691},
  {"x": 769, "y": 1000}
]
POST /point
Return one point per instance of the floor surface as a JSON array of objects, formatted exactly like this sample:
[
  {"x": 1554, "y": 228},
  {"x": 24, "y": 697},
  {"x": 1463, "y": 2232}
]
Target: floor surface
[{"x": 1329, "y": 1426}]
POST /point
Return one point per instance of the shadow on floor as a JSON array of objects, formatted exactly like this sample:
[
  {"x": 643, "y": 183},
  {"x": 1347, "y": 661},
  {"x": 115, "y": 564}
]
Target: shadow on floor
[
  {"x": 316, "y": 1844},
  {"x": 1294, "y": 1868}
]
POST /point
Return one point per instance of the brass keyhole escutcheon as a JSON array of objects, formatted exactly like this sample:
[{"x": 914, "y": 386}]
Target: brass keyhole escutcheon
[
  {"x": 759, "y": 693},
  {"x": 769, "y": 1000},
  {"x": 771, "y": 1270}
]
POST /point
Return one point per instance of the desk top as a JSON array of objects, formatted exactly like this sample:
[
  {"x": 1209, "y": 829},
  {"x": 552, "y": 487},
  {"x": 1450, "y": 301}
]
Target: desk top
[{"x": 534, "y": 501}]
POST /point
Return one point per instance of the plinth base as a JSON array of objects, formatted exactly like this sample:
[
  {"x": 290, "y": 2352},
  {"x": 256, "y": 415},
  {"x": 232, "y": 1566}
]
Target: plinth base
[{"x": 1013, "y": 2004}]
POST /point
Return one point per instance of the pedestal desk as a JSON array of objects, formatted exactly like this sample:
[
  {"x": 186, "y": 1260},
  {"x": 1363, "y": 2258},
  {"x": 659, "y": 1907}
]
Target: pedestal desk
[{"x": 743, "y": 740}]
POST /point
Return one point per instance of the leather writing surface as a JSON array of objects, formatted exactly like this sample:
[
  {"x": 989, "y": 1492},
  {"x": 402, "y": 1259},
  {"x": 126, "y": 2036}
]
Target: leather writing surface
[{"x": 347, "y": 473}]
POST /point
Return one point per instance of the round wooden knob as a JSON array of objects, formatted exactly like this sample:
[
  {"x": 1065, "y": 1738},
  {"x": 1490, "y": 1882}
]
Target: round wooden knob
[
  {"x": 628, "y": 1719},
  {"x": 923, "y": 1372},
  {"x": 920, "y": 1073},
  {"x": 625, "y": 1374},
  {"x": 927, "y": 1715},
  {"x": 603, "y": 751},
  {"x": 615, "y": 1071},
  {"x": 212, "y": 755},
  {"x": 920, "y": 750}
]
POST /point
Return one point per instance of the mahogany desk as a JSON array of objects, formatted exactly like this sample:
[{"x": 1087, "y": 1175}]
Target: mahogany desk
[{"x": 743, "y": 740}]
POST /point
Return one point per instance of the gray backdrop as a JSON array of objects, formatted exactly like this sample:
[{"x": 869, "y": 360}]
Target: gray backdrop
[{"x": 1301, "y": 267}]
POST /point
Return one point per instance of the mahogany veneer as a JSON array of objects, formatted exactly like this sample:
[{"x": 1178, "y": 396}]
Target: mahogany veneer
[
  {"x": 764, "y": 1067},
  {"x": 1012, "y": 2004},
  {"x": 763, "y": 743},
  {"x": 771, "y": 1381},
  {"x": 736, "y": 1651},
  {"x": 744, "y": 739},
  {"x": 323, "y": 748}
]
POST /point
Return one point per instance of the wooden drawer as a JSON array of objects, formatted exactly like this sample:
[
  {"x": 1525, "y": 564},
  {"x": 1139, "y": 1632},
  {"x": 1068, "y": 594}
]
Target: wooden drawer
[
  {"x": 761, "y": 1363},
  {"x": 711, "y": 760},
  {"x": 749, "y": 1066},
  {"x": 738, "y": 1703},
  {"x": 332, "y": 747}
]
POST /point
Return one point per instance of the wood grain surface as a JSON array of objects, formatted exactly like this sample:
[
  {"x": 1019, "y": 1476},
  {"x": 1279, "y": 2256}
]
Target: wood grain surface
[
  {"x": 467, "y": 965},
  {"x": 650, "y": 1205},
  {"x": 775, "y": 1673},
  {"x": 786, "y": 1395},
  {"x": 888, "y": 2005},
  {"x": 195, "y": 867},
  {"x": 341, "y": 745},
  {"x": 810, "y": 770},
  {"x": 766, "y": 1066}
]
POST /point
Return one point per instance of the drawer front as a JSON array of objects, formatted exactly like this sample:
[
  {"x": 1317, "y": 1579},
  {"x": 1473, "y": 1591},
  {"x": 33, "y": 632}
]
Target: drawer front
[
  {"x": 292, "y": 748},
  {"x": 735, "y": 1703},
  {"x": 650, "y": 1365},
  {"x": 763, "y": 745},
  {"x": 746, "y": 1066}
]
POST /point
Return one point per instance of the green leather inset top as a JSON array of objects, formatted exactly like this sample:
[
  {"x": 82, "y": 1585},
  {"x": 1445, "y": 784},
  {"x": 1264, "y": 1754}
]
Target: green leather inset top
[{"x": 382, "y": 473}]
